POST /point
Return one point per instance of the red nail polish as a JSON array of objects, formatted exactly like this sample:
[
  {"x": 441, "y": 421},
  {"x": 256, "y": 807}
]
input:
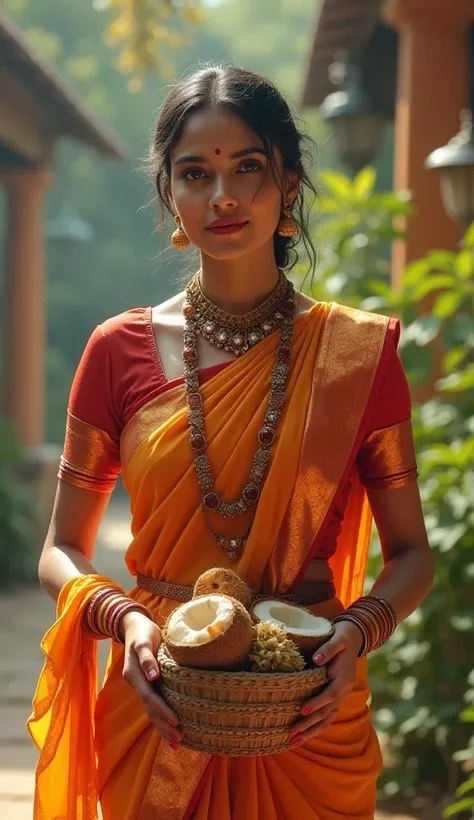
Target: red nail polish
[
  {"x": 296, "y": 740},
  {"x": 319, "y": 658},
  {"x": 306, "y": 710}
]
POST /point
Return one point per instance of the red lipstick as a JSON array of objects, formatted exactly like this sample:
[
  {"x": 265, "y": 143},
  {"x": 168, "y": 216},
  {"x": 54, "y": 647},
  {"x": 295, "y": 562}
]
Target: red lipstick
[{"x": 227, "y": 225}]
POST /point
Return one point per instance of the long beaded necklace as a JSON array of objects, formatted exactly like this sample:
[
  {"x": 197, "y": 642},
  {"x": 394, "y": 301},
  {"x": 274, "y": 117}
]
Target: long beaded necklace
[{"x": 210, "y": 500}]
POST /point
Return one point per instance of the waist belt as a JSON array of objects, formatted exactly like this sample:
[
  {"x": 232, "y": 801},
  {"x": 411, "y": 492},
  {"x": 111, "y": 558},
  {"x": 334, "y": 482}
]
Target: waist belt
[{"x": 317, "y": 592}]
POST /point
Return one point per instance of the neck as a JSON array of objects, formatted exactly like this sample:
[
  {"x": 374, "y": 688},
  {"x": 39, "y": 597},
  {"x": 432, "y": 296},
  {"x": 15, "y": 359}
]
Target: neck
[{"x": 239, "y": 285}]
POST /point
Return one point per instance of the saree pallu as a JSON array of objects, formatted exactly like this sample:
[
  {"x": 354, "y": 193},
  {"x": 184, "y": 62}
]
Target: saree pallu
[{"x": 338, "y": 358}]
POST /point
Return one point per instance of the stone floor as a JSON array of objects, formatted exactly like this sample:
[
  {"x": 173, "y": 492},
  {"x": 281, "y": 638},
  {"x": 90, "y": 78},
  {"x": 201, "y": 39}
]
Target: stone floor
[{"x": 25, "y": 615}]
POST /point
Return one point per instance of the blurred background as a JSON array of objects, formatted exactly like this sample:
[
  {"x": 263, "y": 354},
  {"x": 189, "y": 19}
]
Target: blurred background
[{"x": 386, "y": 91}]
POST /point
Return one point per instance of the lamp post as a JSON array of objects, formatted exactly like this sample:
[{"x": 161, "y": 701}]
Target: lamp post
[
  {"x": 455, "y": 162},
  {"x": 357, "y": 121}
]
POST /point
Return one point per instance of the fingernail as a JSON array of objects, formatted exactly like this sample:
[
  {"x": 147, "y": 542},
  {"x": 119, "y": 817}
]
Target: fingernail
[
  {"x": 319, "y": 658},
  {"x": 173, "y": 721},
  {"x": 152, "y": 674},
  {"x": 174, "y": 744},
  {"x": 306, "y": 710},
  {"x": 296, "y": 740}
]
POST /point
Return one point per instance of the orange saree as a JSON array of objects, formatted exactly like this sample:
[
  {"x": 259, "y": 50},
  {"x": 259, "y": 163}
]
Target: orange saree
[{"x": 106, "y": 747}]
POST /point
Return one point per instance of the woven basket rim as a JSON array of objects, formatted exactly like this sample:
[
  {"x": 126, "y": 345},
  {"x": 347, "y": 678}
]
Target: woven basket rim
[
  {"x": 234, "y": 733},
  {"x": 190, "y": 701},
  {"x": 296, "y": 678}
]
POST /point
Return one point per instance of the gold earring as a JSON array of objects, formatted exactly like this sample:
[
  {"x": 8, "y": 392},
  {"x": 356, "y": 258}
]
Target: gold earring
[
  {"x": 179, "y": 240},
  {"x": 288, "y": 225}
]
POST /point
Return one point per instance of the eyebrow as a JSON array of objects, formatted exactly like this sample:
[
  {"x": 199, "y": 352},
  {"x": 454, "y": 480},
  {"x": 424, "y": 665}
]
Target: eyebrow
[{"x": 244, "y": 152}]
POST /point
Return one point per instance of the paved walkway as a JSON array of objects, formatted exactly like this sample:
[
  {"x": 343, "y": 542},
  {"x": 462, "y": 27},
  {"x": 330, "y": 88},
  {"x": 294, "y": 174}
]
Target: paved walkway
[{"x": 25, "y": 615}]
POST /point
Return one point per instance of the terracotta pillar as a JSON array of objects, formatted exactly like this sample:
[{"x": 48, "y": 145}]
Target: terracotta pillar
[
  {"x": 432, "y": 88},
  {"x": 24, "y": 304}
]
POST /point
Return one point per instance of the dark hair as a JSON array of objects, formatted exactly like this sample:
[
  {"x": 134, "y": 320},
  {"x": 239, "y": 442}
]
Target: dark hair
[{"x": 265, "y": 110}]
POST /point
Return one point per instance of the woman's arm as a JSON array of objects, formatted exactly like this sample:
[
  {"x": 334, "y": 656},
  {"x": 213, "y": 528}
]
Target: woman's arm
[
  {"x": 404, "y": 582},
  {"x": 67, "y": 553},
  {"x": 69, "y": 546},
  {"x": 408, "y": 572}
]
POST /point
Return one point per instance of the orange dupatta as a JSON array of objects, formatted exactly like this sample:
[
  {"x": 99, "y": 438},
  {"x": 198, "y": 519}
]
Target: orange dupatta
[{"x": 336, "y": 353}]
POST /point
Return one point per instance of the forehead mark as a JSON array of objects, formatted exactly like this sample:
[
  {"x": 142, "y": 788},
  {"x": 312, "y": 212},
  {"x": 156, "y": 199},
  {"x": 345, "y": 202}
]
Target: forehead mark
[{"x": 217, "y": 151}]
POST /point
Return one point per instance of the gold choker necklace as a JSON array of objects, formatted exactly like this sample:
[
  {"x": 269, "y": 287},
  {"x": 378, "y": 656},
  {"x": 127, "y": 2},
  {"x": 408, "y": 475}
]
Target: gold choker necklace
[
  {"x": 237, "y": 334},
  {"x": 210, "y": 500}
]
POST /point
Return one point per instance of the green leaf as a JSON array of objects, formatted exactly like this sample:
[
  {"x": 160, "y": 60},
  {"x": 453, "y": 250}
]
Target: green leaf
[
  {"x": 468, "y": 239},
  {"x": 464, "y": 263},
  {"x": 338, "y": 185},
  {"x": 328, "y": 205},
  {"x": 442, "y": 260},
  {"x": 432, "y": 282},
  {"x": 453, "y": 358},
  {"x": 457, "y": 382},
  {"x": 467, "y": 715},
  {"x": 416, "y": 271},
  {"x": 464, "y": 788},
  {"x": 379, "y": 287},
  {"x": 364, "y": 183},
  {"x": 447, "y": 304},
  {"x": 461, "y": 805}
]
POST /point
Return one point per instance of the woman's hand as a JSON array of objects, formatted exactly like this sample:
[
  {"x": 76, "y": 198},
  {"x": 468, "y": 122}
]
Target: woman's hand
[
  {"x": 142, "y": 639},
  {"x": 340, "y": 654}
]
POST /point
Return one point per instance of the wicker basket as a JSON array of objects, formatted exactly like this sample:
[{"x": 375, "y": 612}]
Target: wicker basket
[{"x": 236, "y": 713}]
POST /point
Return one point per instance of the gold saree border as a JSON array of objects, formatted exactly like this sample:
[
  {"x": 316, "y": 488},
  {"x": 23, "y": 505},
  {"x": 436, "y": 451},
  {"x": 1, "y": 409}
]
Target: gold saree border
[
  {"x": 173, "y": 768},
  {"x": 149, "y": 418},
  {"x": 344, "y": 373},
  {"x": 90, "y": 458},
  {"x": 386, "y": 458}
]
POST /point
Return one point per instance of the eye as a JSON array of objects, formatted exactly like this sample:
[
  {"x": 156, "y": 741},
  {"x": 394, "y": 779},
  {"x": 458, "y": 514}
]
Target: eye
[
  {"x": 249, "y": 166},
  {"x": 193, "y": 174}
]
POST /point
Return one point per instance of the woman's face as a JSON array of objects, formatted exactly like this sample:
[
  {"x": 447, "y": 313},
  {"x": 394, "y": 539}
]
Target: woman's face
[{"x": 222, "y": 185}]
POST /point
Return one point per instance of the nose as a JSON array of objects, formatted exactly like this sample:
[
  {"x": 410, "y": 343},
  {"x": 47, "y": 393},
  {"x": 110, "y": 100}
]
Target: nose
[{"x": 222, "y": 197}]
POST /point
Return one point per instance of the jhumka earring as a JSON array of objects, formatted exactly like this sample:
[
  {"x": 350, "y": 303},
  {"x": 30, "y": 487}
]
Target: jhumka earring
[
  {"x": 288, "y": 225},
  {"x": 179, "y": 240}
]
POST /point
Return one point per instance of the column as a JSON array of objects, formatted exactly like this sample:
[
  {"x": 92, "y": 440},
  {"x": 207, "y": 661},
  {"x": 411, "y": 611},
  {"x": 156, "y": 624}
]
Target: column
[
  {"x": 24, "y": 304},
  {"x": 432, "y": 88}
]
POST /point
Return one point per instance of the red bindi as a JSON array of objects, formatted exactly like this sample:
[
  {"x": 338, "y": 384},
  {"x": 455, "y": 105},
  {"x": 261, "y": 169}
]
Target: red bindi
[{"x": 218, "y": 150}]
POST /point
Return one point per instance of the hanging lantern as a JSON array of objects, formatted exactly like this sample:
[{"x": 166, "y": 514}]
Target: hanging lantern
[
  {"x": 357, "y": 121},
  {"x": 455, "y": 162}
]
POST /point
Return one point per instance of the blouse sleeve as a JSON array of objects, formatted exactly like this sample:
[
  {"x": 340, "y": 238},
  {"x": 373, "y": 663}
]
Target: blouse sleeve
[
  {"x": 91, "y": 455},
  {"x": 386, "y": 458}
]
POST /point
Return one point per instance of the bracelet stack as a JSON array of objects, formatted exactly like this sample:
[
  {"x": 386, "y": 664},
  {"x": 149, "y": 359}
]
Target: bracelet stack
[
  {"x": 104, "y": 612},
  {"x": 375, "y": 618}
]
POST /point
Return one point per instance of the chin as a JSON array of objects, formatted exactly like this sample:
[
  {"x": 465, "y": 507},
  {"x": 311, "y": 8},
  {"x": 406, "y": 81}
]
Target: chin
[
  {"x": 226, "y": 253},
  {"x": 229, "y": 248}
]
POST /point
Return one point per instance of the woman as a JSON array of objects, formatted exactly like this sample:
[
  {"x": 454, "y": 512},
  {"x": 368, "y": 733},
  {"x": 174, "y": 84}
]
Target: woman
[{"x": 254, "y": 428}]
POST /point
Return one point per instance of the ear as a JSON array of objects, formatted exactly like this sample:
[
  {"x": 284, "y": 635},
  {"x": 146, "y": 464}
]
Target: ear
[{"x": 293, "y": 182}]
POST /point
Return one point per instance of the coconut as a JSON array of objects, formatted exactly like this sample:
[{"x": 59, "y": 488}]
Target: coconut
[
  {"x": 209, "y": 632},
  {"x": 306, "y": 630},
  {"x": 223, "y": 581}
]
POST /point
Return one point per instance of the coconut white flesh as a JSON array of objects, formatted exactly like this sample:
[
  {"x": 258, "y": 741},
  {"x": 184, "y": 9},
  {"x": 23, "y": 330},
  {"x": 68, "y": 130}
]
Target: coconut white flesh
[
  {"x": 200, "y": 621},
  {"x": 292, "y": 618}
]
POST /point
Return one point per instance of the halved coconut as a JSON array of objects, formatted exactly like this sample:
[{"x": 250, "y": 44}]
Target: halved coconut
[
  {"x": 306, "y": 630},
  {"x": 209, "y": 632},
  {"x": 223, "y": 581}
]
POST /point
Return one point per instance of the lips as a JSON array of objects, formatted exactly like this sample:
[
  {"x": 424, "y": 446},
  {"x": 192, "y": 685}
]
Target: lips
[{"x": 227, "y": 226}]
